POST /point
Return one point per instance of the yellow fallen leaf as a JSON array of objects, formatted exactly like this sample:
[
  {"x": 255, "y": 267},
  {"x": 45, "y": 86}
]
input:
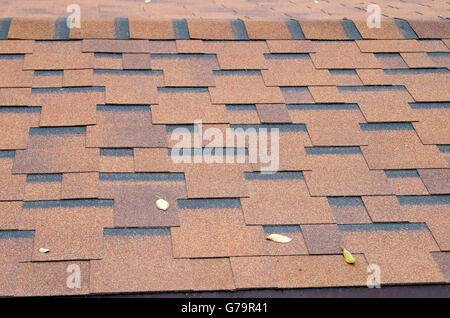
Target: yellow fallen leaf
[
  {"x": 148, "y": 1},
  {"x": 162, "y": 204},
  {"x": 44, "y": 250},
  {"x": 348, "y": 256},
  {"x": 278, "y": 238}
]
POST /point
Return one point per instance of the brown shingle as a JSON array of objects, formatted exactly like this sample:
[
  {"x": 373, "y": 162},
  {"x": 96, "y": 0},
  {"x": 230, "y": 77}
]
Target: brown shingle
[
  {"x": 428, "y": 85},
  {"x": 384, "y": 209},
  {"x": 322, "y": 238},
  {"x": 16, "y": 46},
  {"x": 383, "y": 104},
  {"x": 184, "y": 106},
  {"x": 342, "y": 55},
  {"x": 13, "y": 75},
  {"x": 116, "y": 46},
  {"x": 78, "y": 77},
  {"x": 163, "y": 47},
  {"x": 51, "y": 152},
  {"x": 189, "y": 46},
  {"x": 326, "y": 94},
  {"x": 273, "y": 113},
  {"x": 212, "y": 274},
  {"x": 205, "y": 180},
  {"x": 108, "y": 61},
  {"x": 151, "y": 29},
  {"x": 152, "y": 160},
  {"x": 388, "y": 30},
  {"x": 186, "y": 70},
  {"x": 293, "y": 70},
  {"x": 42, "y": 191},
  {"x": 298, "y": 271},
  {"x": 290, "y": 46},
  {"x": 435, "y": 29},
  {"x": 134, "y": 203},
  {"x": 9, "y": 214},
  {"x": 389, "y": 46},
  {"x": 14, "y": 126},
  {"x": 32, "y": 28},
  {"x": 434, "y": 214},
  {"x": 283, "y": 202},
  {"x": 79, "y": 185},
  {"x": 411, "y": 250},
  {"x": 52, "y": 55},
  {"x": 408, "y": 185},
  {"x": 216, "y": 233},
  {"x": 68, "y": 107},
  {"x": 345, "y": 78},
  {"x": 417, "y": 60},
  {"x": 292, "y": 155},
  {"x": 94, "y": 28},
  {"x": 391, "y": 60},
  {"x": 297, "y": 95},
  {"x": 136, "y": 61},
  {"x": 437, "y": 181},
  {"x": 332, "y": 125},
  {"x": 116, "y": 163},
  {"x": 253, "y": 272},
  {"x": 323, "y": 30},
  {"x": 238, "y": 55},
  {"x": 12, "y": 251},
  {"x": 210, "y": 29},
  {"x": 50, "y": 79},
  {"x": 400, "y": 149},
  {"x": 145, "y": 264},
  {"x": 129, "y": 87},
  {"x": 12, "y": 187},
  {"x": 267, "y": 30},
  {"x": 113, "y": 129},
  {"x": 349, "y": 210},
  {"x": 344, "y": 175},
  {"x": 15, "y": 96},
  {"x": 243, "y": 88},
  {"x": 70, "y": 233}
]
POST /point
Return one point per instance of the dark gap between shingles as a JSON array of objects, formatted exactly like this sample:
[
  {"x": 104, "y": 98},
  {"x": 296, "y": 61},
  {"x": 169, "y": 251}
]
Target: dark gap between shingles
[
  {"x": 141, "y": 176},
  {"x": 383, "y": 227},
  {"x": 208, "y": 203}
]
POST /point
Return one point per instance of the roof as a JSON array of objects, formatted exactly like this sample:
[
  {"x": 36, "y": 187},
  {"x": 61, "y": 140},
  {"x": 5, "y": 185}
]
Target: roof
[{"x": 91, "y": 121}]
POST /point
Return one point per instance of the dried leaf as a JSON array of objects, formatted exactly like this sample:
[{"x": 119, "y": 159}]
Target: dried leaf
[
  {"x": 278, "y": 238},
  {"x": 148, "y": 1},
  {"x": 348, "y": 256},
  {"x": 162, "y": 204},
  {"x": 44, "y": 250}
]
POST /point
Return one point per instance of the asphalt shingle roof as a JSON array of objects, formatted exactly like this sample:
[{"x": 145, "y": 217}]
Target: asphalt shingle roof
[{"x": 88, "y": 120}]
